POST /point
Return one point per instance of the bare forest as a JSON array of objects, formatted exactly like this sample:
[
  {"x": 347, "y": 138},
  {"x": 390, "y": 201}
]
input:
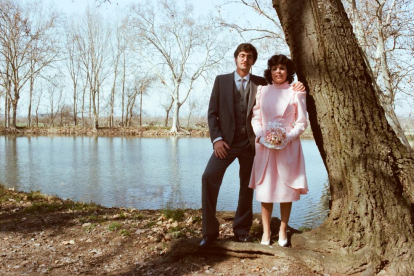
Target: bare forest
[
  {"x": 146, "y": 64},
  {"x": 94, "y": 70}
]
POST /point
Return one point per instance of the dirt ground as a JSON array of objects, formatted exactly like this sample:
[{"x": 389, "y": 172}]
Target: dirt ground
[{"x": 44, "y": 235}]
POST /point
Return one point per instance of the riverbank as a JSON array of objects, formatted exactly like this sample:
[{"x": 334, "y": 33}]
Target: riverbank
[
  {"x": 46, "y": 235},
  {"x": 148, "y": 131},
  {"x": 103, "y": 131}
]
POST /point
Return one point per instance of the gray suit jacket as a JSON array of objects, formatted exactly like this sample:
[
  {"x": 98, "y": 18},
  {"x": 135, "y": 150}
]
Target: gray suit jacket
[{"x": 221, "y": 117}]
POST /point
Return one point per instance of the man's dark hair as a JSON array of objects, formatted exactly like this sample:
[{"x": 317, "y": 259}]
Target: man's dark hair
[
  {"x": 280, "y": 59},
  {"x": 246, "y": 47}
]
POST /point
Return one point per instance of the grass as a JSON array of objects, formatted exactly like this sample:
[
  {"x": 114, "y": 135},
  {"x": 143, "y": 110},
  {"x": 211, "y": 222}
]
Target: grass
[
  {"x": 177, "y": 232},
  {"x": 256, "y": 229},
  {"x": 171, "y": 213},
  {"x": 148, "y": 127},
  {"x": 43, "y": 207},
  {"x": 90, "y": 227},
  {"x": 304, "y": 229},
  {"x": 35, "y": 195},
  {"x": 150, "y": 224},
  {"x": 197, "y": 219},
  {"x": 43, "y": 203},
  {"x": 114, "y": 226},
  {"x": 49, "y": 207},
  {"x": 175, "y": 229},
  {"x": 138, "y": 217},
  {"x": 92, "y": 218},
  {"x": 81, "y": 206},
  {"x": 6, "y": 196},
  {"x": 125, "y": 233}
]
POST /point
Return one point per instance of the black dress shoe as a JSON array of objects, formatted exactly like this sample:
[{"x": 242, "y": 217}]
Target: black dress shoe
[
  {"x": 208, "y": 240},
  {"x": 243, "y": 238}
]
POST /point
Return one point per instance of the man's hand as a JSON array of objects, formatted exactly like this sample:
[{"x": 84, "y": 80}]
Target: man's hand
[
  {"x": 220, "y": 149},
  {"x": 298, "y": 86}
]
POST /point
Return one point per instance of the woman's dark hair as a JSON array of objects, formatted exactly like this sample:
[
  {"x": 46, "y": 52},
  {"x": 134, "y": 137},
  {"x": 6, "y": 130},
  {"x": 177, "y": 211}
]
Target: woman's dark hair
[
  {"x": 280, "y": 59},
  {"x": 246, "y": 47}
]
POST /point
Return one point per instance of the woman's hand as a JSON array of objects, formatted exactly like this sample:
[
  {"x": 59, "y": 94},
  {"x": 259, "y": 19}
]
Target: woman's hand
[{"x": 298, "y": 86}]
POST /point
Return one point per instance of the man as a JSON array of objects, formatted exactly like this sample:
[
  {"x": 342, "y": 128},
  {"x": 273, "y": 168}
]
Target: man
[{"x": 229, "y": 121}]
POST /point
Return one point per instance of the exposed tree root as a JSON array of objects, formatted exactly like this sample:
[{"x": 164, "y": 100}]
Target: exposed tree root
[{"x": 312, "y": 249}]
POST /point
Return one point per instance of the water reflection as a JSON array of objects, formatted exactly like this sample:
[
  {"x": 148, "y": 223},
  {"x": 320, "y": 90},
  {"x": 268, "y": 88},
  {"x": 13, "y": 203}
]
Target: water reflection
[{"x": 143, "y": 173}]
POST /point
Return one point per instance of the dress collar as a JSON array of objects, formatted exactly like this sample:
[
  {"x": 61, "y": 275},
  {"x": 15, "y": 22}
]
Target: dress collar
[{"x": 281, "y": 85}]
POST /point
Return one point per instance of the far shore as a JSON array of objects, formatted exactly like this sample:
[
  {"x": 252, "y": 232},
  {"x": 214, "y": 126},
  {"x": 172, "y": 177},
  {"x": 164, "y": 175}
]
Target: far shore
[
  {"x": 140, "y": 132},
  {"x": 147, "y": 132}
]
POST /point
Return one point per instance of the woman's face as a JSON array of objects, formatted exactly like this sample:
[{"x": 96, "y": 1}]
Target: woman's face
[{"x": 279, "y": 73}]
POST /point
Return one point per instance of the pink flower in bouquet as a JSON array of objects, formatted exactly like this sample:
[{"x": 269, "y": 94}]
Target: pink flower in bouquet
[{"x": 276, "y": 137}]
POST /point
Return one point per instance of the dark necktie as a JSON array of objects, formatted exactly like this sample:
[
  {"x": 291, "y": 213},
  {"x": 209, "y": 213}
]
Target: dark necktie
[{"x": 242, "y": 88}]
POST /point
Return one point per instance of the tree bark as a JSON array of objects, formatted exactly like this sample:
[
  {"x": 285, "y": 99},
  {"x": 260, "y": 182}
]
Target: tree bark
[
  {"x": 6, "y": 110},
  {"x": 31, "y": 87},
  {"x": 167, "y": 111},
  {"x": 140, "y": 108},
  {"x": 371, "y": 173},
  {"x": 75, "y": 105},
  {"x": 176, "y": 118}
]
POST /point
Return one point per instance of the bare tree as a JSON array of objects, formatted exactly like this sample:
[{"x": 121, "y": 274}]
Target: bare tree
[
  {"x": 6, "y": 85},
  {"x": 179, "y": 47},
  {"x": 139, "y": 87},
  {"x": 73, "y": 66},
  {"x": 92, "y": 38},
  {"x": 266, "y": 33},
  {"x": 118, "y": 49},
  {"x": 196, "y": 106},
  {"x": 55, "y": 96},
  {"x": 25, "y": 45},
  {"x": 384, "y": 29},
  {"x": 37, "y": 104},
  {"x": 123, "y": 88}
]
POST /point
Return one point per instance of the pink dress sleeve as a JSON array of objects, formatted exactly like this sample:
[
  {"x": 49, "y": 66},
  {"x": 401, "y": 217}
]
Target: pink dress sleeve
[
  {"x": 257, "y": 115},
  {"x": 301, "y": 120}
]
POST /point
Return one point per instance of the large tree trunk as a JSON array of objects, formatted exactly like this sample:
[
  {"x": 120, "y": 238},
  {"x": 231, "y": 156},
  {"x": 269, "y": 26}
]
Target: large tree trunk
[
  {"x": 83, "y": 106},
  {"x": 29, "y": 112},
  {"x": 140, "y": 108},
  {"x": 167, "y": 112},
  {"x": 371, "y": 174},
  {"x": 75, "y": 104},
  {"x": 176, "y": 116},
  {"x": 14, "y": 117},
  {"x": 6, "y": 110}
]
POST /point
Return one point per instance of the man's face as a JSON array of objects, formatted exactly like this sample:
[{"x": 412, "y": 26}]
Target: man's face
[{"x": 244, "y": 61}]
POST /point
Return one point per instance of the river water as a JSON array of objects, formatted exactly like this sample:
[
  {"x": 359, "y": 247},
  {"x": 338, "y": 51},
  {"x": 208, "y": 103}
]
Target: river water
[{"x": 142, "y": 173}]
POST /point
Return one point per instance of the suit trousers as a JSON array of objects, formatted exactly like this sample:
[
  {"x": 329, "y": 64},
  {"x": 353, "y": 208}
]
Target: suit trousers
[{"x": 211, "y": 182}]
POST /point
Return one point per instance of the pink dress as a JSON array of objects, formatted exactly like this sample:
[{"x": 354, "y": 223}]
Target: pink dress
[{"x": 279, "y": 175}]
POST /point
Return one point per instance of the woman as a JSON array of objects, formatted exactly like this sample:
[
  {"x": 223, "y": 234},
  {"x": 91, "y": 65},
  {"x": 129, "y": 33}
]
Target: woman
[{"x": 279, "y": 117}]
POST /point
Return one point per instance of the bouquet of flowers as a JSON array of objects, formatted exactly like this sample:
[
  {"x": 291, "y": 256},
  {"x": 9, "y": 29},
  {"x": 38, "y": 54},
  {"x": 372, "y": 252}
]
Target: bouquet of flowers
[{"x": 275, "y": 135}]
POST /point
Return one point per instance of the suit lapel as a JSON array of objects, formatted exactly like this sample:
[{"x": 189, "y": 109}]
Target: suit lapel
[{"x": 228, "y": 87}]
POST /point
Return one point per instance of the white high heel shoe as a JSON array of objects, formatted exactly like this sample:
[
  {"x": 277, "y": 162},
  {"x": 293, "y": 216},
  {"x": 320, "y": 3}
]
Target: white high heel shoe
[
  {"x": 266, "y": 242},
  {"x": 281, "y": 242}
]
